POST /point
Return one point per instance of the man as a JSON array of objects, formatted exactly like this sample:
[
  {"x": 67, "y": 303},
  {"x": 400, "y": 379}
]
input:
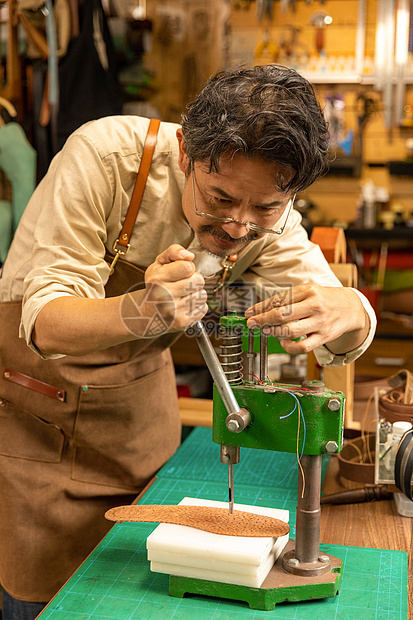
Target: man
[{"x": 89, "y": 397}]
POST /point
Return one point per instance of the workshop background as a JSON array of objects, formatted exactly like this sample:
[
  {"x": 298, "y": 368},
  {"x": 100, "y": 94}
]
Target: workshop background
[
  {"x": 358, "y": 55},
  {"x": 65, "y": 62}
]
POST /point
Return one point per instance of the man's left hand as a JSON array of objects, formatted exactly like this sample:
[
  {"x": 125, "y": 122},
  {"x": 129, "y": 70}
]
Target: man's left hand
[{"x": 333, "y": 316}]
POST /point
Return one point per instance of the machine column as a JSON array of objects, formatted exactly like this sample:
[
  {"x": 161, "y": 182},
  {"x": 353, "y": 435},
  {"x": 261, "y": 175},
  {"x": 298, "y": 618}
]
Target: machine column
[
  {"x": 307, "y": 540},
  {"x": 305, "y": 559}
]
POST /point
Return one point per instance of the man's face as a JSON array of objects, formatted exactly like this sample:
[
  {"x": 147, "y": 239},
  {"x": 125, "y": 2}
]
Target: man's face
[{"x": 244, "y": 189}]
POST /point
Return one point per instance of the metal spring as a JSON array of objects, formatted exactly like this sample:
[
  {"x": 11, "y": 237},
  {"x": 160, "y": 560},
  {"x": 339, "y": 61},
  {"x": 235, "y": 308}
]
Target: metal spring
[{"x": 231, "y": 355}]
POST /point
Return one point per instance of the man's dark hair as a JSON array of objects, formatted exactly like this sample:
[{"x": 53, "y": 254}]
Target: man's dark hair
[{"x": 267, "y": 112}]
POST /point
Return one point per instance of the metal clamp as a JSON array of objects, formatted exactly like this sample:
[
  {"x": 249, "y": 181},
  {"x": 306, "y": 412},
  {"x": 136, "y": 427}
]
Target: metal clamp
[
  {"x": 119, "y": 251},
  {"x": 228, "y": 265}
]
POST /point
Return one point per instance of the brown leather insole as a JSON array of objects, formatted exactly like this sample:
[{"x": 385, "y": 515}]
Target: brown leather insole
[{"x": 215, "y": 520}]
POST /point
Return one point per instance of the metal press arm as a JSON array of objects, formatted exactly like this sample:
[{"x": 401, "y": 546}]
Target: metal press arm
[{"x": 229, "y": 454}]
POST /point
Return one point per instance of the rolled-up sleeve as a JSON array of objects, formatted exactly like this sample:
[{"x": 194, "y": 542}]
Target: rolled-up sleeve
[
  {"x": 74, "y": 200},
  {"x": 327, "y": 358}
]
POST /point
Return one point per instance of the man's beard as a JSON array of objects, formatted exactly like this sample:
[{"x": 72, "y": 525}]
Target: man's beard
[{"x": 221, "y": 234}]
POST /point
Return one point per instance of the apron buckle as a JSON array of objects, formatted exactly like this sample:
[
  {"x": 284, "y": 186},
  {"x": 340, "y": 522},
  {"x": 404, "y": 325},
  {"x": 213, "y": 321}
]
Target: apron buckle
[
  {"x": 120, "y": 250},
  {"x": 228, "y": 264}
]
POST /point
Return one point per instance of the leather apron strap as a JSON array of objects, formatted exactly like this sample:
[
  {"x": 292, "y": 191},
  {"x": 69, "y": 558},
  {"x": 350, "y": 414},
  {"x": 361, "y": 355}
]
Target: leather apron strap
[{"x": 122, "y": 245}]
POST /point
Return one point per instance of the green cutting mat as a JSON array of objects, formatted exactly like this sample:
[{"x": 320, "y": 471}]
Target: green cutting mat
[{"x": 115, "y": 581}]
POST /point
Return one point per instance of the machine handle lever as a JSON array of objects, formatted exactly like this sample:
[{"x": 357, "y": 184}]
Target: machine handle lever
[
  {"x": 229, "y": 454},
  {"x": 215, "y": 368}
]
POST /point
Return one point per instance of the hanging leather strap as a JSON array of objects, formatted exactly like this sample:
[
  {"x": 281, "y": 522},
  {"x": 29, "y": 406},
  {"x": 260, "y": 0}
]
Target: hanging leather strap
[{"x": 122, "y": 245}]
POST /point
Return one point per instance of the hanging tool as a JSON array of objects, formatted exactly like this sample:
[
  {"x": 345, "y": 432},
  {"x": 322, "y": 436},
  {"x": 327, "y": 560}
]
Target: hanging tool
[
  {"x": 266, "y": 44},
  {"x": 366, "y": 107},
  {"x": 320, "y": 21},
  {"x": 290, "y": 43},
  {"x": 286, "y": 4},
  {"x": 265, "y": 8}
]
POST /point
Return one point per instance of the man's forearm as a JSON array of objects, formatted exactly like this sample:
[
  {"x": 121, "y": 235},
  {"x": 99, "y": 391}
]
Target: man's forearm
[{"x": 77, "y": 326}]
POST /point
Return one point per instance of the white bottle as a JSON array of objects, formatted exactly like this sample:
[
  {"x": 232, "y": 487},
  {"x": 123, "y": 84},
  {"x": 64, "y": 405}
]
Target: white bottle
[{"x": 369, "y": 204}]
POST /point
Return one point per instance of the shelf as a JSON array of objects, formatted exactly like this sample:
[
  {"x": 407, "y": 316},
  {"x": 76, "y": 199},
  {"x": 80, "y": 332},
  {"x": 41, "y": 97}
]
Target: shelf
[
  {"x": 328, "y": 77},
  {"x": 394, "y": 326},
  {"x": 337, "y": 78},
  {"x": 380, "y": 234}
]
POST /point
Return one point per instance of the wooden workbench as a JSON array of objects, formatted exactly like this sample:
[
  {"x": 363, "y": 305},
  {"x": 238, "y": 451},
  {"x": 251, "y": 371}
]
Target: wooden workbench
[
  {"x": 369, "y": 524},
  {"x": 115, "y": 580}
]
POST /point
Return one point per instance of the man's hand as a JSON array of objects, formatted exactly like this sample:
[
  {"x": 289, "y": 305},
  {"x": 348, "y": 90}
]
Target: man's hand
[
  {"x": 174, "y": 290},
  {"x": 325, "y": 315}
]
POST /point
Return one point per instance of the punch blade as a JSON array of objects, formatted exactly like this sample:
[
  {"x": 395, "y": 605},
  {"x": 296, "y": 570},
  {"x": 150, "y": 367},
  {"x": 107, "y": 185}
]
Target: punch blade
[{"x": 231, "y": 487}]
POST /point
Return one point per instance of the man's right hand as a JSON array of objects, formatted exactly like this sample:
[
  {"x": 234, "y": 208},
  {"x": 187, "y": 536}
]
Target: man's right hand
[
  {"x": 174, "y": 290},
  {"x": 174, "y": 299}
]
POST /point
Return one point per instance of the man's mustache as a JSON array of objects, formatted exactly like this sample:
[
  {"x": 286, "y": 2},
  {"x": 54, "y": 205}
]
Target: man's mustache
[{"x": 224, "y": 236}]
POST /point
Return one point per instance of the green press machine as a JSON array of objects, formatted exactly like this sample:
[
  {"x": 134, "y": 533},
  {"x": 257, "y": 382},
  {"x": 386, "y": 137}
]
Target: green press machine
[{"x": 251, "y": 411}]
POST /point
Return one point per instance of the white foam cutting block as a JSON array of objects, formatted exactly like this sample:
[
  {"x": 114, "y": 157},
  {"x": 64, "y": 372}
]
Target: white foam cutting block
[
  {"x": 253, "y": 581},
  {"x": 189, "y": 552},
  {"x": 211, "y": 564}
]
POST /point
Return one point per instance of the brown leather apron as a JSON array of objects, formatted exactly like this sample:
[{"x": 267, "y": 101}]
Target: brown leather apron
[
  {"x": 78, "y": 435},
  {"x": 65, "y": 461}
]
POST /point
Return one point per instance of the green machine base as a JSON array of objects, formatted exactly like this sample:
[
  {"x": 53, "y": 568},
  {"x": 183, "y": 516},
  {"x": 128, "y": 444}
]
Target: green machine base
[{"x": 278, "y": 587}]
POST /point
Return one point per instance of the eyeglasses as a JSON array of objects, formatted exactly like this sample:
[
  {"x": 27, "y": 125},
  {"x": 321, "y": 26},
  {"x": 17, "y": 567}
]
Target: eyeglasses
[{"x": 230, "y": 219}]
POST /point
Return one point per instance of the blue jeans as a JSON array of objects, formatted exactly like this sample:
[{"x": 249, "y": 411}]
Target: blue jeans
[{"x": 12, "y": 609}]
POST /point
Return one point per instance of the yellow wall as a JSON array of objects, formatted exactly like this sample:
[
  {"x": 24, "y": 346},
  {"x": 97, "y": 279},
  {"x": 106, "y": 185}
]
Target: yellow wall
[
  {"x": 182, "y": 65},
  {"x": 336, "y": 197},
  {"x": 186, "y": 50},
  {"x": 340, "y": 35}
]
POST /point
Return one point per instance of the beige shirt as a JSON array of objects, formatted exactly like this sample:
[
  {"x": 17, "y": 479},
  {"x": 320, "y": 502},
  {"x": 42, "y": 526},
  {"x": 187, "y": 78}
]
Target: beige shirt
[{"x": 77, "y": 211}]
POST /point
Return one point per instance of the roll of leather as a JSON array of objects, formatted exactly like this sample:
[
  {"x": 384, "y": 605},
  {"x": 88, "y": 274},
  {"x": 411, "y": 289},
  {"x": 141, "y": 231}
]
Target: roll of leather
[
  {"x": 349, "y": 465},
  {"x": 396, "y": 405}
]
